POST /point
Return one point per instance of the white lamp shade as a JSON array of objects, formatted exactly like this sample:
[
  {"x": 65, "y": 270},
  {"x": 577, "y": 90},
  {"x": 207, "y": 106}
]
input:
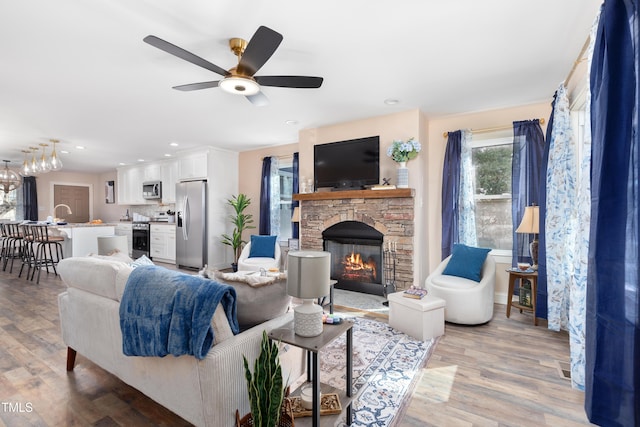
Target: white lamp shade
[
  {"x": 308, "y": 274},
  {"x": 530, "y": 223}
]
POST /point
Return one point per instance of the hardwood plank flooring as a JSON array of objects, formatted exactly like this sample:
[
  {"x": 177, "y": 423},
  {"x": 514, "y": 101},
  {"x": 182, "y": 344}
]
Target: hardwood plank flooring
[{"x": 503, "y": 373}]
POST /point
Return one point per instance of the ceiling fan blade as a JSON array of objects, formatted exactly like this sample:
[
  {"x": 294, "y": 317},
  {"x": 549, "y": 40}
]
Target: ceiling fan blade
[
  {"x": 262, "y": 45},
  {"x": 301, "y": 82},
  {"x": 259, "y": 99},
  {"x": 197, "y": 86},
  {"x": 183, "y": 54}
]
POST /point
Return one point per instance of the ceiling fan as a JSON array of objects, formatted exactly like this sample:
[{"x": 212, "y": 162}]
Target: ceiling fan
[{"x": 241, "y": 79}]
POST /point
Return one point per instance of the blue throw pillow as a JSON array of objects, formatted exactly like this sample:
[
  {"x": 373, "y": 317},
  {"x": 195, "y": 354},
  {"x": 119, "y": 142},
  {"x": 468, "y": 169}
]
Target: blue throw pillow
[
  {"x": 263, "y": 247},
  {"x": 466, "y": 261}
]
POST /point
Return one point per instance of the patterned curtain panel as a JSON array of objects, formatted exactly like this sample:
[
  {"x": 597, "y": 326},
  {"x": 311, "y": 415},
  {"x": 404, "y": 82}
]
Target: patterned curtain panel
[
  {"x": 450, "y": 192},
  {"x": 528, "y": 145},
  {"x": 274, "y": 205},
  {"x": 560, "y": 218},
  {"x": 466, "y": 201},
  {"x": 612, "y": 373},
  {"x": 578, "y": 292}
]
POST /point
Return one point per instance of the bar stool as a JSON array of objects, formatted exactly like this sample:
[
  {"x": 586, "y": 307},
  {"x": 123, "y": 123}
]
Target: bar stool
[
  {"x": 4, "y": 239},
  {"x": 13, "y": 246},
  {"x": 28, "y": 254},
  {"x": 44, "y": 245}
]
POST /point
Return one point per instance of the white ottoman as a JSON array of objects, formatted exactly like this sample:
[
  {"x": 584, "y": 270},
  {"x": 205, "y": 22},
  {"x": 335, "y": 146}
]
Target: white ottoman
[{"x": 423, "y": 318}]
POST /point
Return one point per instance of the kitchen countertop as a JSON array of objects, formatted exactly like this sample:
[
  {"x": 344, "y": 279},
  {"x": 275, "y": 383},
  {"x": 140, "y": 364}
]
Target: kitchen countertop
[{"x": 82, "y": 224}]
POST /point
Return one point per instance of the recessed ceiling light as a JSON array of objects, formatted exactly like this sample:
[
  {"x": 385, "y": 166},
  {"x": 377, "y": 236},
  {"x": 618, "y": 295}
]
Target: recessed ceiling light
[
  {"x": 121, "y": 164},
  {"x": 80, "y": 147},
  {"x": 173, "y": 144},
  {"x": 291, "y": 122},
  {"x": 167, "y": 155},
  {"x": 391, "y": 101},
  {"x": 141, "y": 160},
  {"x": 64, "y": 151}
]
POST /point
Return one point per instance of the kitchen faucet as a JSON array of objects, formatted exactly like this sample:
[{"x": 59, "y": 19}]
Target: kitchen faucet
[{"x": 62, "y": 204}]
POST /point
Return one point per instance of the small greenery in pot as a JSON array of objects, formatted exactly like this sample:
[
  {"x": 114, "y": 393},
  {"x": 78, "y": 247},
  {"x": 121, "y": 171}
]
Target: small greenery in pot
[
  {"x": 266, "y": 386},
  {"x": 241, "y": 221}
]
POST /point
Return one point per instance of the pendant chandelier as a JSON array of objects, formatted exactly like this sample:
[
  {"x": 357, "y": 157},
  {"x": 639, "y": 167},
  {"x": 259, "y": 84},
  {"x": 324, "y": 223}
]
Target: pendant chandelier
[
  {"x": 9, "y": 180},
  {"x": 41, "y": 164}
]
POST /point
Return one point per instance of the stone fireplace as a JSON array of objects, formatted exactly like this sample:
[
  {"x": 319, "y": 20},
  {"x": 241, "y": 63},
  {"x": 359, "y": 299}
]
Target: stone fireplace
[{"x": 389, "y": 213}]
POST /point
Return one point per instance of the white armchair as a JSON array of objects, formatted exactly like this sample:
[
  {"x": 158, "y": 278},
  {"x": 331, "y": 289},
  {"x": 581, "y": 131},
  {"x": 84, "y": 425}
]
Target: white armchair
[
  {"x": 467, "y": 302},
  {"x": 246, "y": 263}
]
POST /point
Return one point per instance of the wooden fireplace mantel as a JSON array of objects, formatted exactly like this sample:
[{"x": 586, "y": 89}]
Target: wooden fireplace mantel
[{"x": 356, "y": 194}]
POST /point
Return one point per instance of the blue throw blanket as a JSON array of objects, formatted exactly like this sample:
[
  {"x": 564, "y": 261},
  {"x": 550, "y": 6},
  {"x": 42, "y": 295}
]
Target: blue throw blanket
[{"x": 167, "y": 312}]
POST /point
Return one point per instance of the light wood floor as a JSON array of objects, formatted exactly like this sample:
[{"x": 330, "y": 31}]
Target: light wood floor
[{"x": 500, "y": 374}]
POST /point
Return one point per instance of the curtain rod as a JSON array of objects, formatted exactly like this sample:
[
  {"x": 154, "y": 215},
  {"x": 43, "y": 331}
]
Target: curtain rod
[
  {"x": 578, "y": 60},
  {"x": 283, "y": 157},
  {"x": 493, "y": 129}
]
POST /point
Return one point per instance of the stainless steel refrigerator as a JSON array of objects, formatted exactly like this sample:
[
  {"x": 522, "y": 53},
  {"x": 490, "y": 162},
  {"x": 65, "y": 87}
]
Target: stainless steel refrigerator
[{"x": 191, "y": 227}]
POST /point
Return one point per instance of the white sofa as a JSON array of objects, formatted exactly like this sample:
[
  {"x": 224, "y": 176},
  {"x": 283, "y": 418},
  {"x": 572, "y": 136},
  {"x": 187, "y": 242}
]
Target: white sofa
[{"x": 204, "y": 392}]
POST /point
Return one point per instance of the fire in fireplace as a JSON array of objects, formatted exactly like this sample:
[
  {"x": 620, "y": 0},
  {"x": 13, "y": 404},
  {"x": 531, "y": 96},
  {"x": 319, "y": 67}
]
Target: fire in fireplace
[
  {"x": 356, "y": 253},
  {"x": 354, "y": 268}
]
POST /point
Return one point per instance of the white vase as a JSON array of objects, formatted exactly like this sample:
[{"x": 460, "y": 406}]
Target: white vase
[{"x": 403, "y": 175}]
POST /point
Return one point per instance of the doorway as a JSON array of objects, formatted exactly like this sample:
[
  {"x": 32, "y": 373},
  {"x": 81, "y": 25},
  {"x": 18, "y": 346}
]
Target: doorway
[{"x": 77, "y": 198}]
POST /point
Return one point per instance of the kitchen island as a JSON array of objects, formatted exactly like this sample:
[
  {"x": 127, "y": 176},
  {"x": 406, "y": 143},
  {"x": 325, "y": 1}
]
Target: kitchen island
[{"x": 82, "y": 239}]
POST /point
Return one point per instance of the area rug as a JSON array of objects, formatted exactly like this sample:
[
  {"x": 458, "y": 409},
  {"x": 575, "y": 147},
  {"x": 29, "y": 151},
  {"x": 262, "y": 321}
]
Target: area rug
[{"x": 385, "y": 366}]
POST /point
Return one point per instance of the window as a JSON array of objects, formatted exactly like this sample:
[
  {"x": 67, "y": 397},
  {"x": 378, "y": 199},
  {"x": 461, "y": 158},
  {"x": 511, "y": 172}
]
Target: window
[
  {"x": 285, "y": 178},
  {"x": 10, "y": 205},
  {"x": 491, "y": 159}
]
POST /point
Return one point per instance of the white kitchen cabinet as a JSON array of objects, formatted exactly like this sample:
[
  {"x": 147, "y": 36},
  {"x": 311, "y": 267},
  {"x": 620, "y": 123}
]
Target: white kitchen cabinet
[
  {"x": 163, "y": 242},
  {"x": 169, "y": 177},
  {"x": 130, "y": 179},
  {"x": 124, "y": 229},
  {"x": 152, "y": 172},
  {"x": 122, "y": 187},
  {"x": 193, "y": 166}
]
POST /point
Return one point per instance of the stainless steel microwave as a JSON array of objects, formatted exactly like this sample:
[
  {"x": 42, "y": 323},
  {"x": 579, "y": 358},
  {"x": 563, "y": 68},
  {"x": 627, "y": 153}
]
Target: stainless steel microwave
[{"x": 152, "y": 190}]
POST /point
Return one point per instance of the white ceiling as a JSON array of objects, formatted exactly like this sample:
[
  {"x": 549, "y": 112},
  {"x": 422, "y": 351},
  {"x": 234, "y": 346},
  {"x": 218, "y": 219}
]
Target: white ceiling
[{"x": 79, "y": 71}]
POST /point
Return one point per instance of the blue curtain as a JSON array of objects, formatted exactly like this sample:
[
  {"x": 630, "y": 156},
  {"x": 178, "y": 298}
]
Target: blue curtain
[
  {"x": 451, "y": 192},
  {"x": 30, "y": 198},
  {"x": 264, "y": 227},
  {"x": 612, "y": 323},
  {"x": 526, "y": 166},
  {"x": 541, "y": 299},
  {"x": 295, "y": 228}
]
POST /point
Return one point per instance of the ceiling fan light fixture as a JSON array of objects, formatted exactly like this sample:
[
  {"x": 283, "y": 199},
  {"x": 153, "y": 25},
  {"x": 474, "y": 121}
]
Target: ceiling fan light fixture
[{"x": 239, "y": 85}]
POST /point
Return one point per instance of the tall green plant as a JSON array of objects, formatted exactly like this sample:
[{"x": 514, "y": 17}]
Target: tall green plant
[
  {"x": 241, "y": 221},
  {"x": 266, "y": 386}
]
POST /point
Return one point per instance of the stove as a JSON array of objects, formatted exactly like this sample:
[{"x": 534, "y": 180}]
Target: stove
[{"x": 141, "y": 239}]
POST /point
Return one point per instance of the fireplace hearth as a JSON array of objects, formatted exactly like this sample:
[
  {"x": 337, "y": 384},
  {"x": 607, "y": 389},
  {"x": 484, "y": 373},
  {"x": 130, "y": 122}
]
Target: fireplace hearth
[{"x": 356, "y": 254}]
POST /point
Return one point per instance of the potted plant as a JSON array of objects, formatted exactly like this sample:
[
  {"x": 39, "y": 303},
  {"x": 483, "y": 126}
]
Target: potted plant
[
  {"x": 266, "y": 388},
  {"x": 241, "y": 221}
]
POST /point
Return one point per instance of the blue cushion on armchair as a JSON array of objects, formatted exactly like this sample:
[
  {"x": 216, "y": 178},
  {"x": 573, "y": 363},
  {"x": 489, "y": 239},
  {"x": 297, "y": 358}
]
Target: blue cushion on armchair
[
  {"x": 263, "y": 247},
  {"x": 466, "y": 261}
]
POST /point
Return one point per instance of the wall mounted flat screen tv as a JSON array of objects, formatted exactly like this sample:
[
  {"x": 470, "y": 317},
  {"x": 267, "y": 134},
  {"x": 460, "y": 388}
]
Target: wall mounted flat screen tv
[{"x": 347, "y": 165}]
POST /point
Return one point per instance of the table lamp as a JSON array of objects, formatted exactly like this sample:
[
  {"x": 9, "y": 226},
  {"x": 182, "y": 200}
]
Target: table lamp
[
  {"x": 530, "y": 224},
  {"x": 308, "y": 276}
]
